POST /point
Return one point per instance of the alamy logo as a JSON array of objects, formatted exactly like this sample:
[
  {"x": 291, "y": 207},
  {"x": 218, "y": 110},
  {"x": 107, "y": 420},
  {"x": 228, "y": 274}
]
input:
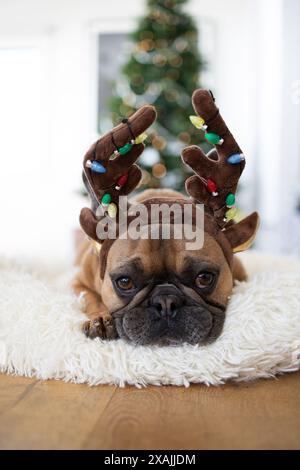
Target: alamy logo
[{"x": 159, "y": 221}]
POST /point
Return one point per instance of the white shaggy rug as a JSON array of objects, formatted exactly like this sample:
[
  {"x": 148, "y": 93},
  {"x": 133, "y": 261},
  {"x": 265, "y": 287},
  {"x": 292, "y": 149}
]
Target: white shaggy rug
[{"x": 40, "y": 332}]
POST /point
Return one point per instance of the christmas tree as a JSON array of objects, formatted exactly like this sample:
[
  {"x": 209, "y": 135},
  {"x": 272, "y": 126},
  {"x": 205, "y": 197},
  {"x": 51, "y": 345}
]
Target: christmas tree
[{"x": 163, "y": 70}]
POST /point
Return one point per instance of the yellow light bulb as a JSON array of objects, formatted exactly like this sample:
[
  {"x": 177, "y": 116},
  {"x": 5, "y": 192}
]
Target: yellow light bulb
[
  {"x": 231, "y": 213},
  {"x": 198, "y": 122},
  {"x": 140, "y": 138},
  {"x": 112, "y": 210}
]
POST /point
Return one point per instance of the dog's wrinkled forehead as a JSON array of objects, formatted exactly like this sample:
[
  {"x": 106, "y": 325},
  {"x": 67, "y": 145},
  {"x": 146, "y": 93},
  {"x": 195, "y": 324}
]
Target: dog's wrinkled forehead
[
  {"x": 214, "y": 241},
  {"x": 159, "y": 256}
]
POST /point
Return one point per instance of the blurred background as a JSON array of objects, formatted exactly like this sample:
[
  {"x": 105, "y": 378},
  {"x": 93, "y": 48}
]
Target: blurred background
[{"x": 70, "y": 69}]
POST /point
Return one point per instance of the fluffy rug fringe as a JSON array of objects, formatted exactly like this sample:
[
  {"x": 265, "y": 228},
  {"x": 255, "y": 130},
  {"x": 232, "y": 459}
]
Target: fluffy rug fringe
[{"x": 40, "y": 332}]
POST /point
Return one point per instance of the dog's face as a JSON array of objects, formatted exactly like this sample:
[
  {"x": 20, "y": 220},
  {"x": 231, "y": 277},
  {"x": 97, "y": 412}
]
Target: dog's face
[{"x": 160, "y": 293}]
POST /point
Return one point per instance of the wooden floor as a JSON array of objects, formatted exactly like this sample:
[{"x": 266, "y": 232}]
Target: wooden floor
[{"x": 54, "y": 415}]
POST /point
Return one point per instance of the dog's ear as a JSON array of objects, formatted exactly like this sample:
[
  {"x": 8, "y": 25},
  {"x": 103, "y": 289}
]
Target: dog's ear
[
  {"x": 242, "y": 234},
  {"x": 88, "y": 222}
]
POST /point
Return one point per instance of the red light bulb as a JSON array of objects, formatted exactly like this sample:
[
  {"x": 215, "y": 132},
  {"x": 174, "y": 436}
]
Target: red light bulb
[
  {"x": 121, "y": 181},
  {"x": 212, "y": 187}
]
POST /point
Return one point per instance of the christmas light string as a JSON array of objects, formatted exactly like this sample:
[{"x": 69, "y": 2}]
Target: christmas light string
[
  {"x": 95, "y": 166},
  {"x": 233, "y": 159}
]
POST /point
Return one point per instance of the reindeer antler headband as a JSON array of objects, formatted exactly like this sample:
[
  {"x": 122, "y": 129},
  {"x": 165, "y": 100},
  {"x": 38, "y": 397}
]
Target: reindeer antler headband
[{"x": 110, "y": 171}]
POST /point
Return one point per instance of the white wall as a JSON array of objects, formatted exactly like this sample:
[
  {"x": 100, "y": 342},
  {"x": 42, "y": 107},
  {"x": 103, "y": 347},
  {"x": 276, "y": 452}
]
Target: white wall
[
  {"x": 279, "y": 123},
  {"x": 40, "y": 221},
  {"x": 61, "y": 32},
  {"x": 290, "y": 122}
]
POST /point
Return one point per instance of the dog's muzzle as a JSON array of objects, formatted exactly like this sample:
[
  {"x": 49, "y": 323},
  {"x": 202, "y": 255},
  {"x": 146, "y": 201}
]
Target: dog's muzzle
[{"x": 167, "y": 315}]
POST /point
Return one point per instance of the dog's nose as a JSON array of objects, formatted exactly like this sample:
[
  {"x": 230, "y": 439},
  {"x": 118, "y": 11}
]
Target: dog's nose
[
  {"x": 166, "y": 305},
  {"x": 166, "y": 300}
]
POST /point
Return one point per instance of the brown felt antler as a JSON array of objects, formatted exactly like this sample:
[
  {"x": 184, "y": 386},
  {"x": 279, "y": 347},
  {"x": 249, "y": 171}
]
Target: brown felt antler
[
  {"x": 109, "y": 168},
  {"x": 218, "y": 172}
]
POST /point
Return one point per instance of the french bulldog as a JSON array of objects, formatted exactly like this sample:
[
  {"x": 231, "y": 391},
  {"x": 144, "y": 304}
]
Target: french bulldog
[{"x": 156, "y": 290}]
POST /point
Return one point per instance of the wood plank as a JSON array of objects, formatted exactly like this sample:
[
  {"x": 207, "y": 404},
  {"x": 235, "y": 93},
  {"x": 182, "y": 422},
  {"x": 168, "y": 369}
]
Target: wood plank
[
  {"x": 260, "y": 415},
  {"x": 13, "y": 389},
  {"x": 56, "y": 415},
  {"x": 50, "y": 414}
]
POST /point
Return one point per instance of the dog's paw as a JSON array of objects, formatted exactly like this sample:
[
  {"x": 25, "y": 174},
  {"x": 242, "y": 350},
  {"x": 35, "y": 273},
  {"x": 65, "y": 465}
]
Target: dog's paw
[{"x": 102, "y": 327}]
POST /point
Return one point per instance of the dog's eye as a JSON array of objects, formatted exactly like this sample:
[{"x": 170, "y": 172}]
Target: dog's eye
[
  {"x": 205, "y": 279},
  {"x": 125, "y": 283}
]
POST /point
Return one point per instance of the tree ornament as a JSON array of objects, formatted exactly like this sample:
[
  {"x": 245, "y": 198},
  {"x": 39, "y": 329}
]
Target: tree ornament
[
  {"x": 212, "y": 187},
  {"x": 198, "y": 122},
  {"x": 159, "y": 170},
  {"x": 184, "y": 137},
  {"x": 213, "y": 138},
  {"x": 112, "y": 210},
  {"x": 140, "y": 138},
  {"x": 236, "y": 158},
  {"x": 159, "y": 142},
  {"x": 121, "y": 182},
  {"x": 106, "y": 200},
  {"x": 125, "y": 149},
  {"x": 230, "y": 214},
  {"x": 230, "y": 200},
  {"x": 95, "y": 166}
]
